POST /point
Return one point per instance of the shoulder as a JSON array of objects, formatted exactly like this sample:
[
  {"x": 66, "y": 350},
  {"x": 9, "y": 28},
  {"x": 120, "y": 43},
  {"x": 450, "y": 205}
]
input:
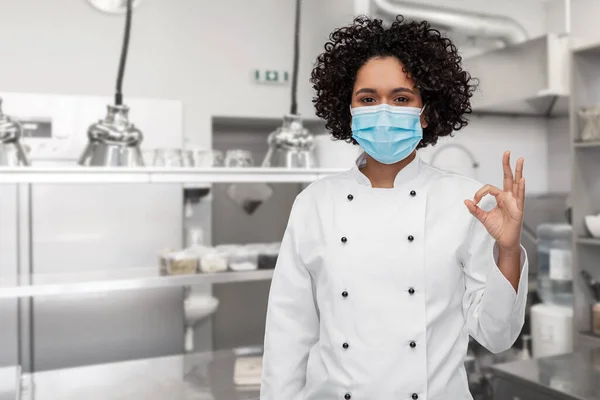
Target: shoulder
[{"x": 318, "y": 191}]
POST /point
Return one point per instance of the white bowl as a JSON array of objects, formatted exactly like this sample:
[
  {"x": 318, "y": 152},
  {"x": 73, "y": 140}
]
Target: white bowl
[
  {"x": 593, "y": 224},
  {"x": 197, "y": 307}
]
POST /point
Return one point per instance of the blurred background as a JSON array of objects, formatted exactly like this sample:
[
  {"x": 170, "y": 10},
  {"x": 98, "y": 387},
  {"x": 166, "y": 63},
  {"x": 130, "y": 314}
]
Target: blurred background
[{"x": 139, "y": 232}]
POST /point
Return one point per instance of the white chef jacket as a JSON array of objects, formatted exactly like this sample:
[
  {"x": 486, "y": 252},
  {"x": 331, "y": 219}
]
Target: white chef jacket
[{"x": 376, "y": 291}]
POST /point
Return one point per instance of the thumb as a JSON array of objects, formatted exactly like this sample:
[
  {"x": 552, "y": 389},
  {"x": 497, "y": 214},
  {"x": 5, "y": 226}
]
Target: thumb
[{"x": 475, "y": 210}]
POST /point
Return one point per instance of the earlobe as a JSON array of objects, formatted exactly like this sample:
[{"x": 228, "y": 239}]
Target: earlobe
[{"x": 423, "y": 122}]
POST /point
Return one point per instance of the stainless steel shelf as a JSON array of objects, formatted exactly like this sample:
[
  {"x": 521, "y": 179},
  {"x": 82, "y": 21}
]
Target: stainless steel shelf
[
  {"x": 76, "y": 174},
  {"x": 108, "y": 281},
  {"x": 589, "y": 340},
  {"x": 588, "y": 241},
  {"x": 587, "y": 145}
]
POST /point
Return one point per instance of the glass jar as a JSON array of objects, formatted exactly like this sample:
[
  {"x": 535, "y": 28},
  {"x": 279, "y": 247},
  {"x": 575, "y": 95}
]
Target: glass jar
[
  {"x": 555, "y": 265},
  {"x": 238, "y": 158}
]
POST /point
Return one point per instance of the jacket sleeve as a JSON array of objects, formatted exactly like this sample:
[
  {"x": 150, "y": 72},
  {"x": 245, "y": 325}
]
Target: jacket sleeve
[
  {"x": 493, "y": 311},
  {"x": 292, "y": 325}
]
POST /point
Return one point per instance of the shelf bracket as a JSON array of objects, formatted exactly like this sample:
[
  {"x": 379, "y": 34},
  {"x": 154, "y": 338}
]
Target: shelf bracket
[{"x": 551, "y": 106}]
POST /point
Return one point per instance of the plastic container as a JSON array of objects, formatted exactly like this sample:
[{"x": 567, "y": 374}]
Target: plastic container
[
  {"x": 267, "y": 257},
  {"x": 213, "y": 260},
  {"x": 555, "y": 265},
  {"x": 183, "y": 262},
  {"x": 243, "y": 259}
]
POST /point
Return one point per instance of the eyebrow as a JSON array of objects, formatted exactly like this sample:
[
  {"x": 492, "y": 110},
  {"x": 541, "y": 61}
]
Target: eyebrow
[{"x": 396, "y": 90}]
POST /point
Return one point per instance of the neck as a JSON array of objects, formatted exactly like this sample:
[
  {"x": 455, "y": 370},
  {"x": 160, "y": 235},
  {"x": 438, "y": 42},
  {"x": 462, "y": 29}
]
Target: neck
[{"x": 383, "y": 175}]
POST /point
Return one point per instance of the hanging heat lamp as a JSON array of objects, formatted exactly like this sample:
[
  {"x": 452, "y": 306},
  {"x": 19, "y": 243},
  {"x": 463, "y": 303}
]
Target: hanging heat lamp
[
  {"x": 11, "y": 151},
  {"x": 292, "y": 145},
  {"x": 114, "y": 141}
]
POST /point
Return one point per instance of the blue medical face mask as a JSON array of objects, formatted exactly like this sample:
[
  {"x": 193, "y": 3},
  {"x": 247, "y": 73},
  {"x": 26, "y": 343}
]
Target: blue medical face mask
[{"x": 387, "y": 133}]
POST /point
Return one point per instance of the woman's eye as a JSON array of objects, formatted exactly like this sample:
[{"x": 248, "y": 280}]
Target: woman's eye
[
  {"x": 401, "y": 100},
  {"x": 367, "y": 100}
]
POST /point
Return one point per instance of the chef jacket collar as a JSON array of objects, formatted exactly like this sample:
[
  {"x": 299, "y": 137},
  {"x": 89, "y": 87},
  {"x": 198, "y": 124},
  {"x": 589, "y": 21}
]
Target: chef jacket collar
[{"x": 405, "y": 175}]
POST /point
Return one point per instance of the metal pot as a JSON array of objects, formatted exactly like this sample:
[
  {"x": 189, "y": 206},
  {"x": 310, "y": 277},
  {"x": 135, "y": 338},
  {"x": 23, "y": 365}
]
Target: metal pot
[
  {"x": 291, "y": 145},
  {"x": 113, "y": 141},
  {"x": 11, "y": 151}
]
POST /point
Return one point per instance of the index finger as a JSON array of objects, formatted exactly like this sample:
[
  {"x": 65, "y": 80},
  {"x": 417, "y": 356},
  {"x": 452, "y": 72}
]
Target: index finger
[{"x": 487, "y": 189}]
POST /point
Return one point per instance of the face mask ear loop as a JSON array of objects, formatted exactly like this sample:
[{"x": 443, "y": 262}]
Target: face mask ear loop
[{"x": 422, "y": 109}]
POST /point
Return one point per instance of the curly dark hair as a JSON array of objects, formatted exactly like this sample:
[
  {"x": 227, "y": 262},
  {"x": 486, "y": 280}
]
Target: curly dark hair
[{"x": 429, "y": 58}]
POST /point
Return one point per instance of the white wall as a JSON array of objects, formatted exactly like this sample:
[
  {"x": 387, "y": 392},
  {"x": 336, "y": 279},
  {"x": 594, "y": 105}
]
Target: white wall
[
  {"x": 488, "y": 137},
  {"x": 199, "y": 52}
]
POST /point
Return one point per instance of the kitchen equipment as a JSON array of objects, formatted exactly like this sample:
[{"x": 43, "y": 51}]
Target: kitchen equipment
[
  {"x": 10, "y": 383},
  {"x": 249, "y": 196},
  {"x": 591, "y": 123},
  {"x": 216, "y": 158},
  {"x": 11, "y": 151},
  {"x": 112, "y": 227},
  {"x": 168, "y": 158},
  {"x": 267, "y": 256},
  {"x": 113, "y": 6},
  {"x": 592, "y": 284},
  {"x": 247, "y": 371},
  {"x": 238, "y": 158},
  {"x": 213, "y": 260},
  {"x": 183, "y": 262},
  {"x": 113, "y": 141},
  {"x": 335, "y": 153},
  {"x": 551, "y": 329},
  {"x": 455, "y": 160},
  {"x": 244, "y": 258},
  {"x": 291, "y": 145},
  {"x": 197, "y": 157},
  {"x": 555, "y": 265},
  {"x": 197, "y": 307},
  {"x": 524, "y": 352},
  {"x": 592, "y": 223}
]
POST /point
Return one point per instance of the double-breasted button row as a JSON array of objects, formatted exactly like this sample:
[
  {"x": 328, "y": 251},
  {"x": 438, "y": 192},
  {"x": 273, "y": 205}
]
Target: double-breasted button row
[{"x": 411, "y": 291}]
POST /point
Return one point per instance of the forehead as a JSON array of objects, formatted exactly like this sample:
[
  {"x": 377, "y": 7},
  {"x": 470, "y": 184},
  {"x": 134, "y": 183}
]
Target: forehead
[{"x": 381, "y": 73}]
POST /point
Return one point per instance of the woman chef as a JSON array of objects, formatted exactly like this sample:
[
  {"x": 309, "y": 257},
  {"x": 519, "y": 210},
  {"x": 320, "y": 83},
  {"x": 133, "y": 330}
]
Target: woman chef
[{"x": 385, "y": 270}]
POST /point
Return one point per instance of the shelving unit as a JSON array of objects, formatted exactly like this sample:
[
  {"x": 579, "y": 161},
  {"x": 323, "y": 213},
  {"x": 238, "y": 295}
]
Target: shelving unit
[
  {"x": 585, "y": 92},
  {"x": 109, "y": 281},
  {"x": 206, "y": 176}
]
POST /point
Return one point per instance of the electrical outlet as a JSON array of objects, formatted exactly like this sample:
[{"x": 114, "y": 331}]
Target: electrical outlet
[{"x": 271, "y": 76}]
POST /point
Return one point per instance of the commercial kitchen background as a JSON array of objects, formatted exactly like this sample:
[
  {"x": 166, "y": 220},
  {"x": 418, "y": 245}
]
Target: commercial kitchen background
[{"x": 202, "y": 54}]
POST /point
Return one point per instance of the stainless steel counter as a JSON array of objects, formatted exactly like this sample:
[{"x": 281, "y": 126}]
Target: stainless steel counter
[
  {"x": 573, "y": 376},
  {"x": 199, "y": 376}
]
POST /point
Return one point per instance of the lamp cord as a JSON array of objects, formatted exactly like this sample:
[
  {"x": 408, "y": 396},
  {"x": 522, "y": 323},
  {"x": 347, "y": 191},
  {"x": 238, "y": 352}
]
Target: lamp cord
[{"x": 124, "y": 51}]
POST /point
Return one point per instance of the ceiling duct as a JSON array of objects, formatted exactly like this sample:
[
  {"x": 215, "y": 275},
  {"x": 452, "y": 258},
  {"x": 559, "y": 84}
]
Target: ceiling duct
[{"x": 501, "y": 28}]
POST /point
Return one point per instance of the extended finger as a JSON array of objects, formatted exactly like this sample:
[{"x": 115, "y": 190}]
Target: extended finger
[
  {"x": 508, "y": 175},
  {"x": 521, "y": 195},
  {"x": 518, "y": 176}
]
